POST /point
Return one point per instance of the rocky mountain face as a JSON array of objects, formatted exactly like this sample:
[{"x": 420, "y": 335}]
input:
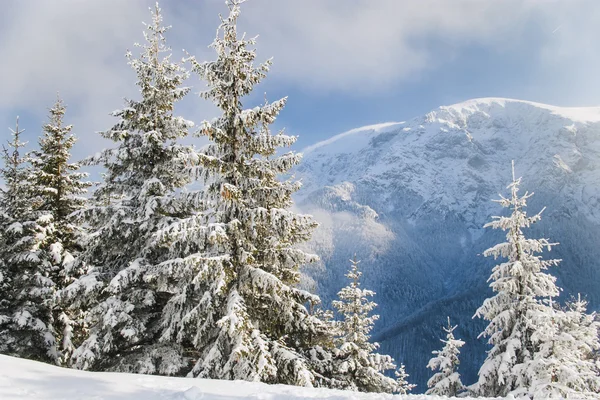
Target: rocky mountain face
[{"x": 410, "y": 200}]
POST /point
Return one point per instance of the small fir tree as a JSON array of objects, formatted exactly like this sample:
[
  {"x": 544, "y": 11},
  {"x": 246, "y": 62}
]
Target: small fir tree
[
  {"x": 446, "y": 382},
  {"x": 26, "y": 321},
  {"x": 359, "y": 366},
  {"x": 516, "y": 311},
  {"x": 402, "y": 384},
  {"x": 58, "y": 189},
  {"x": 251, "y": 322},
  {"x": 135, "y": 202}
]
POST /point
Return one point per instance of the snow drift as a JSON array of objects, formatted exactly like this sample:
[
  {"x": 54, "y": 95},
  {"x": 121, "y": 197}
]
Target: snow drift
[{"x": 30, "y": 380}]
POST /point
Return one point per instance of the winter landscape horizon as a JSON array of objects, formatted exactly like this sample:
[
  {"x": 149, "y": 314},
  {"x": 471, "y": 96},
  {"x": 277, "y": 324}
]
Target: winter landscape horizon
[{"x": 370, "y": 200}]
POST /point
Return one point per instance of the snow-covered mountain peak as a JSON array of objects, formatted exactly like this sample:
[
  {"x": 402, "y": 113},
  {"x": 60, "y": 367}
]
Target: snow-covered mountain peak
[
  {"x": 457, "y": 115},
  {"x": 492, "y": 104},
  {"x": 457, "y": 155}
]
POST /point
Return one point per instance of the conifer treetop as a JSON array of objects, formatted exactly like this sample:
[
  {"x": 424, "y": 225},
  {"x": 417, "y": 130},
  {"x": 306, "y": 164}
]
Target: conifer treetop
[
  {"x": 13, "y": 173},
  {"x": 59, "y": 181},
  {"x": 147, "y": 130}
]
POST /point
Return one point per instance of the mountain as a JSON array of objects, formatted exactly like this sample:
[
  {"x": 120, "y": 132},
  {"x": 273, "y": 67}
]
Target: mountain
[{"x": 411, "y": 198}]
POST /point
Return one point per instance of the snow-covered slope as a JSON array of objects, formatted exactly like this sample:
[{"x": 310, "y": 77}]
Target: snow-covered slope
[
  {"x": 410, "y": 198},
  {"x": 29, "y": 380}
]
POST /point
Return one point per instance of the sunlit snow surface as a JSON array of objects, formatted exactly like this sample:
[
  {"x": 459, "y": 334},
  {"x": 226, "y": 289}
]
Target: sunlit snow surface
[{"x": 29, "y": 380}]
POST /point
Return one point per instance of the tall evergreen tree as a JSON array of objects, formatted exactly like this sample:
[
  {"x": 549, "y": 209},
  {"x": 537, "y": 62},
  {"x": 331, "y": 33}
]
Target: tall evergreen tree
[
  {"x": 58, "y": 188},
  {"x": 446, "y": 382},
  {"x": 252, "y": 322},
  {"x": 26, "y": 321},
  {"x": 516, "y": 311},
  {"x": 360, "y": 367},
  {"x": 134, "y": 203},
  {"x": 13, "y": 205},
  {"x": 13, "y": 201}
]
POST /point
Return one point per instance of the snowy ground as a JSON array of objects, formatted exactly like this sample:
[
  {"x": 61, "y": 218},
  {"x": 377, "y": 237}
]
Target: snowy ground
[{"x": 29, "y": 380}]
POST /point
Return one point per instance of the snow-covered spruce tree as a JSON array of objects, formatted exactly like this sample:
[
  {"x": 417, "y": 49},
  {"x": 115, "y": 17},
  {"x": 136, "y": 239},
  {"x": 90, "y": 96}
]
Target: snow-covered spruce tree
[
  {"x": 516, "y": 311},
  {"x": 565, "y": 367},
  {"x": 446, "y": 382},
  {"x": 252, "y": 322},
  {"x": 58, "y": 187},
  {"x": 359, "y": 366},
  {"x": 14, "y": 201},
  {"x": 135, "y": 201},
  {"x": 14, "y": 205},
  {"x": 26, "y": 322}
]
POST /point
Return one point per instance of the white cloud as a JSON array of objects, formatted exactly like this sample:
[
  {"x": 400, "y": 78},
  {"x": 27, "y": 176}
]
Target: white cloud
[
  {"x": 569, "y": 58},
  {"x": 76, "y": 48},
  {"x": 353, "y": 47},
  {"x": 366, "y": 45},
  {"x": 73, "y": 46}
]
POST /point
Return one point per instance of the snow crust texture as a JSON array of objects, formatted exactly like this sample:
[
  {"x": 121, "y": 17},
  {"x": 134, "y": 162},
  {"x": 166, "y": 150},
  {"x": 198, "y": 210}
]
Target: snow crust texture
[{"x": 28, "y": 380}]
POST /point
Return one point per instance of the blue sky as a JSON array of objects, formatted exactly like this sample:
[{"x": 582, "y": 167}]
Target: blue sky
[{"x": 343, "y": 63}]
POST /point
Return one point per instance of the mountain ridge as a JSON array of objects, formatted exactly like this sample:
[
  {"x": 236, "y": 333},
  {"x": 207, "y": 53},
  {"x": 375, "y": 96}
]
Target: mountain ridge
[
  {"x": 411, "y": 198},
  {"x": 582, "y": 114}
]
